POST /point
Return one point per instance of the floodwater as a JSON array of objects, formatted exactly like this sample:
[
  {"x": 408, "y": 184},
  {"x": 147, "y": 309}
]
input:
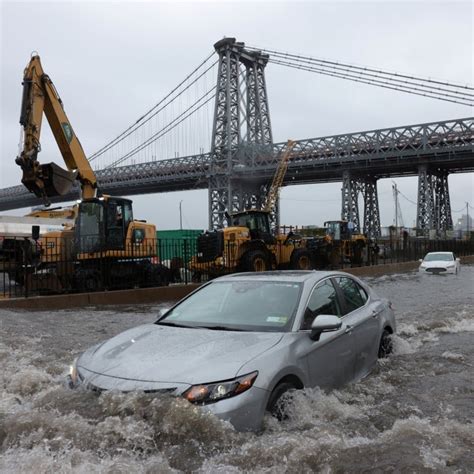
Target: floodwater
[{"x": 414, "y": 413}]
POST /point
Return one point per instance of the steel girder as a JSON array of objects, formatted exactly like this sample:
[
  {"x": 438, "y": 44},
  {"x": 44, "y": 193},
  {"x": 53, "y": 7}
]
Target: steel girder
[
  {"x": 433, "y": 207},
  {"x": 259, "y": 128},
  {"x": 241, "y": 126},
  {"x": 371, "y": 207},
  {"x": 425, "y": 205},
  {"x": 443, "y": 216},
  {"x": 350, "y": 207},
  {"x": 367, "y": 186},
  {"x": 226, "y": 132},
  {"x": 383, "y": 153}
]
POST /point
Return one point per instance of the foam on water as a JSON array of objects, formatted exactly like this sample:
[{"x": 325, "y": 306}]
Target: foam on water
[{"x": 413, "y": 413}]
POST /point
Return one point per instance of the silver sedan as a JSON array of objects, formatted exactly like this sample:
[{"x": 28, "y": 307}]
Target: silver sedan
[{"x": 237, "y": 344}]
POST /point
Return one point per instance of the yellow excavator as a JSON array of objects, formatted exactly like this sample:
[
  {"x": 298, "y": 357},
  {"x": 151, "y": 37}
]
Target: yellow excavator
[
  {"x": 105, "y": 245},
  {"x": 248, "y": 244}
]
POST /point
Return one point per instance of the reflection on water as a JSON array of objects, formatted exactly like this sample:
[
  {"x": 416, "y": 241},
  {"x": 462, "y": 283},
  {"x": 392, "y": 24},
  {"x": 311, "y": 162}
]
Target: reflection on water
[{"x": 413, "y": 413}]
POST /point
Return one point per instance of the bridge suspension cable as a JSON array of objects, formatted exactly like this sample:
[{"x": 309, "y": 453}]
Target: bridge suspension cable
[
  {"x": 441, "y": 90},
  {"x": 209, "y": 95},
  {"x": 164, "y": 116}
]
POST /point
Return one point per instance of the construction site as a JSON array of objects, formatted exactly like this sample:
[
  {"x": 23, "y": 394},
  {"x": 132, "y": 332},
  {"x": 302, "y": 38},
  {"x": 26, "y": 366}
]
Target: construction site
[{"x": 97, "y": 243}]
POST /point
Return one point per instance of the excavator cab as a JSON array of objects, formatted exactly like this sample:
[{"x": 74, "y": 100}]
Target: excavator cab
[{"x": 102, "y": 224}]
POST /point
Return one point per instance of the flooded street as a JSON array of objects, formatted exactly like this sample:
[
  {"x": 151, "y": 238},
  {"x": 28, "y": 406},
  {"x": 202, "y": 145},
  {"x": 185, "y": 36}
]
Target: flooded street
[{"x": 414, "y": 413}]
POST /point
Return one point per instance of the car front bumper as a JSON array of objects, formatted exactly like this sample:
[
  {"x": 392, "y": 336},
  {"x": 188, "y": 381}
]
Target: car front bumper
[
  {"x": 244, "y": 411},
  {"x": 438, "y": 270}
]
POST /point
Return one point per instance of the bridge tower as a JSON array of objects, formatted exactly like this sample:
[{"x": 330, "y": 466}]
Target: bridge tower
[
  {"x": 351, "y": 187},
  {"x": 433, "y": 207},
  {"x": 241, "y": 131}
]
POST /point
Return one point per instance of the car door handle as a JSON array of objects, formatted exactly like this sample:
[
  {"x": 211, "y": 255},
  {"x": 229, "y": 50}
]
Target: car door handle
[
  {"x": 348, "y": 330},
  {"x": 376, "y": 312}
]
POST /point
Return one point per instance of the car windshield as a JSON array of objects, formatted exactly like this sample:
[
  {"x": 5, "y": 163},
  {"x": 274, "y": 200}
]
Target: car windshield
[
  {"x": 436, "y": 257},
  {"x": 251, "y": 305}
]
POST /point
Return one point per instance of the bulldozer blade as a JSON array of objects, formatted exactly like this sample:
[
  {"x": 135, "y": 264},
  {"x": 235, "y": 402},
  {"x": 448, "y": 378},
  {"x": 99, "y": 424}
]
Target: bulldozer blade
[{"x": 50, "y": 181}]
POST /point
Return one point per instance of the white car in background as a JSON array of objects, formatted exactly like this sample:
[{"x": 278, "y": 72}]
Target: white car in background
[{"x": 439, "y": 263}]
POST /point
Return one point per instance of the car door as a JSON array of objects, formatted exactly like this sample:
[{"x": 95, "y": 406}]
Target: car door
[
  {"x": 330, "y": 360},
  {"x": 363, "y": 316}
]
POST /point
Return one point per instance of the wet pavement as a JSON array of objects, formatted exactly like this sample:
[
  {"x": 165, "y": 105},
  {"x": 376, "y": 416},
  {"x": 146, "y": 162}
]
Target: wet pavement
[{"x": 414, "y": 413}]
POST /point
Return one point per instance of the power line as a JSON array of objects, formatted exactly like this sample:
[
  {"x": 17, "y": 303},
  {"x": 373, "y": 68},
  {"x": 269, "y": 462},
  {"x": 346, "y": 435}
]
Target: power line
[{"x": 408, "y": 199}]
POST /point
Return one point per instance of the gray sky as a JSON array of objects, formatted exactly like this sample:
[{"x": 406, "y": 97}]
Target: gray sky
[{"x": 112, "y": 61}]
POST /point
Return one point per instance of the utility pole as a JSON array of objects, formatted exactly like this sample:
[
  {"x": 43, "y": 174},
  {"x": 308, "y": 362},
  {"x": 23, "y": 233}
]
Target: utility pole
[
  {"x": 180, "y": 216},
  {"x": 468, "y": 227},
  {"x": 395, "y": 196}
]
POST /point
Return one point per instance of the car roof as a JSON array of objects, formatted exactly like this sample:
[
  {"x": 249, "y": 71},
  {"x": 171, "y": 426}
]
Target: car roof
[{"x": 281, "y": 275}]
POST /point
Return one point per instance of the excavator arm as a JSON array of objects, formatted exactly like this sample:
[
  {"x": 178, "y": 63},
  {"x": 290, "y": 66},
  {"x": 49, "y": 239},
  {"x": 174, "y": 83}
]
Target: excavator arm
[{"x": 49, "y": 180}]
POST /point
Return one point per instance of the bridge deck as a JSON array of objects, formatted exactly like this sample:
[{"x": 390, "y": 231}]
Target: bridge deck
[{"x": 381, "y": 153}]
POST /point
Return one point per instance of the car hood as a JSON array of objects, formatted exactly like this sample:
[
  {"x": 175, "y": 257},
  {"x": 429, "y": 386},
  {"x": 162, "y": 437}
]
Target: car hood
[{"x": 155, "y": 353}]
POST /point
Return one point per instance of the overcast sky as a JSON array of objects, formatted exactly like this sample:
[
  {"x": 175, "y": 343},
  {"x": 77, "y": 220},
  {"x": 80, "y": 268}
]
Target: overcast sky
[{"x": 112, "y": 61}]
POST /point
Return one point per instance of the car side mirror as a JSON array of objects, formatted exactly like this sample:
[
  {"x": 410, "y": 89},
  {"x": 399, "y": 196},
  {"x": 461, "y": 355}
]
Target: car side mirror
[
  {"x": 458, "y": 259},
  {"x": 420, "y": 260},
  {"x": 324, "y": 323}
]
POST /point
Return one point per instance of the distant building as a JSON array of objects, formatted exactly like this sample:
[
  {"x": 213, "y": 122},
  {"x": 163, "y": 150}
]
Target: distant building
[{"x": 464, "y": 223}]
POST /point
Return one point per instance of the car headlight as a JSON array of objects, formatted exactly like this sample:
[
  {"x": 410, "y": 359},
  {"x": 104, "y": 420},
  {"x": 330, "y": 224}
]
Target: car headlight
[
  {"x": 450, "y": 265},
  {"x": 213, "y": 392}
]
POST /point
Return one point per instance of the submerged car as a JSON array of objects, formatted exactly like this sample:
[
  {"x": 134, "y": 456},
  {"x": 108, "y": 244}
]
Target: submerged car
[
  {"x": 238, "y": 343},
  {"x": 440, "y": 262}
]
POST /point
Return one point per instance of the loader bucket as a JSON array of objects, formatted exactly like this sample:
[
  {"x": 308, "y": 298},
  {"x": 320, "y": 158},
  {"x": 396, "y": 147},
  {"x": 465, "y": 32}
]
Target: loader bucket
[{"x": 51, "y": 181}]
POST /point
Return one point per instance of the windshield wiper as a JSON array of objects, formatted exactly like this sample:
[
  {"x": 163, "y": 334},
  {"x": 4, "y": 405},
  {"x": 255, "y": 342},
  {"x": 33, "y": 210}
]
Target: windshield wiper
[
  {"x": 220, "y": 328},
  {"x": 168, "y": 323}
]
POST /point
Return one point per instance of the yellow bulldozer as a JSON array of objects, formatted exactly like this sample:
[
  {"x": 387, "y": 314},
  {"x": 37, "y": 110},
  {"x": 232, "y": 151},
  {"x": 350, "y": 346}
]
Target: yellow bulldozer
[
  {"x": 247, "y": 243},
  {"x": 337, "y": 246}
]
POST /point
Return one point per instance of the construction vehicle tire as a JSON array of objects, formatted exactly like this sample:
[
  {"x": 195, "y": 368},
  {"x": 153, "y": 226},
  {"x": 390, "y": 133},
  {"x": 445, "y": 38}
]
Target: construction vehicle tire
[
  {"x": 301, "y": 260},
  {"x": 87, "y": 281},
  {"x": 255, "y": 261},
  {"x": 157, "y": 275}
]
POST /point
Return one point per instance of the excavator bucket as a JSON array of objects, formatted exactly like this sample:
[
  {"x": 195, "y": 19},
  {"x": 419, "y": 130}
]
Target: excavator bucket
[
  {"x": 57, "y": 181},
  {"x": 52, "y": 181}
]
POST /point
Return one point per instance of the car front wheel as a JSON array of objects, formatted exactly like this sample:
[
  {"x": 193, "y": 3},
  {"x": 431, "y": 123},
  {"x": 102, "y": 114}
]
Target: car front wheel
[
  {"x": 280, "y": 399},
  {"x": 386, "y": 345}
]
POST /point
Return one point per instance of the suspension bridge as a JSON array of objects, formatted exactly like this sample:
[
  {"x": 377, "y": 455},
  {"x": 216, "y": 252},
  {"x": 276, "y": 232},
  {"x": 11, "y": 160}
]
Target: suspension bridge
[{"x": 218, "y": 136}]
